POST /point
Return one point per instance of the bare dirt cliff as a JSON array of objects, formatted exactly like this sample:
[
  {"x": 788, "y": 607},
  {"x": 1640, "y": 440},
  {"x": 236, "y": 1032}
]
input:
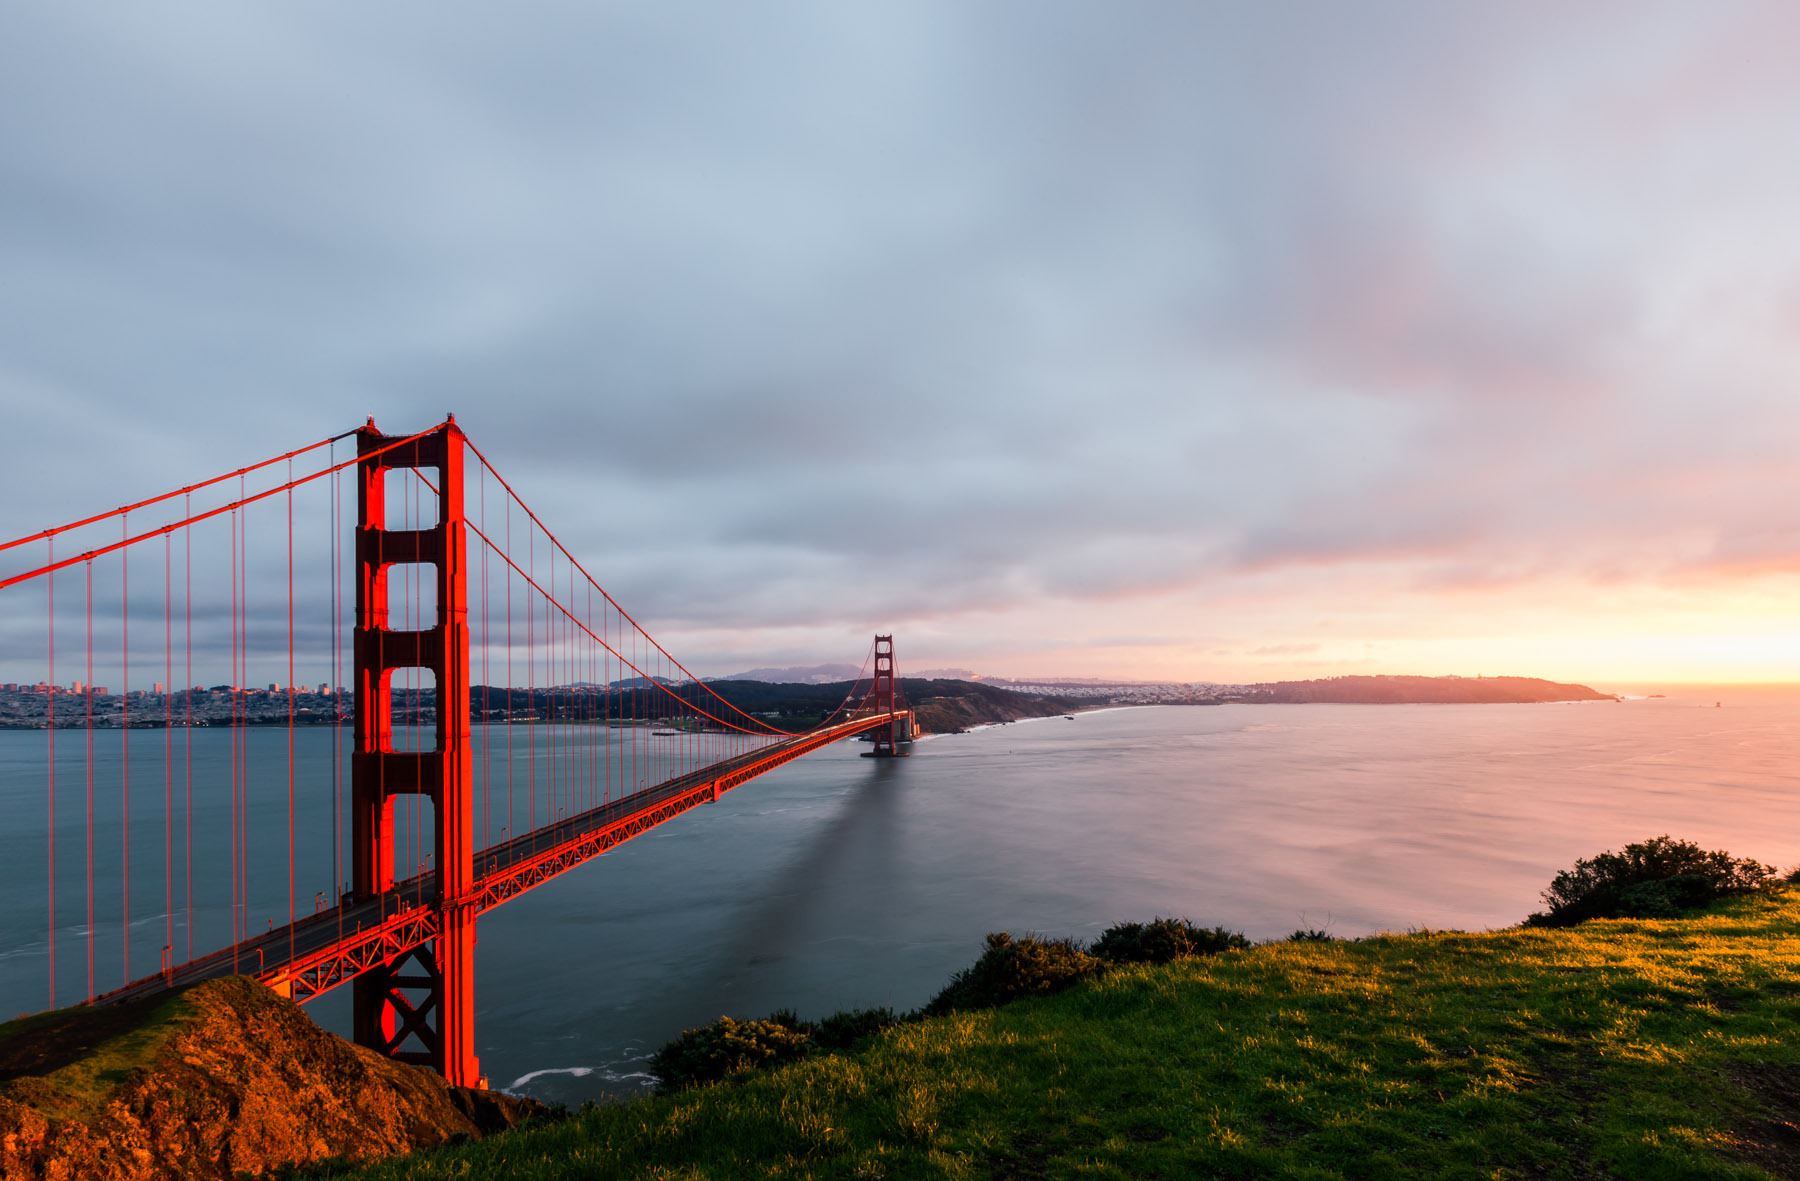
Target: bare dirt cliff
[{"x": 221, "y": 1080}]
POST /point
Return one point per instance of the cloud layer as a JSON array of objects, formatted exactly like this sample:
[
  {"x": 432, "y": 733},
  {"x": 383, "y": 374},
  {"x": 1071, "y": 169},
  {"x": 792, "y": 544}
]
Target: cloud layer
[{"x": 1160, "y": 340}]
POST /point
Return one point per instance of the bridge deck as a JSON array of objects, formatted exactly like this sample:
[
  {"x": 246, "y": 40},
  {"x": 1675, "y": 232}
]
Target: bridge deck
[{"x": 324, "y": 950}]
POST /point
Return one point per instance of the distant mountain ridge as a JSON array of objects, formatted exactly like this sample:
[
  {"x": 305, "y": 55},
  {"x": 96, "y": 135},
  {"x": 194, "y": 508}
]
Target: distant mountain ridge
[{"x": 815, "y": 674}]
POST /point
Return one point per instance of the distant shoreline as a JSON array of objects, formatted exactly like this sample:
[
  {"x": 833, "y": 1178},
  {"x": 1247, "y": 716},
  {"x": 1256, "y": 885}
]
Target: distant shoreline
[{"x": 1413, "y": 690}]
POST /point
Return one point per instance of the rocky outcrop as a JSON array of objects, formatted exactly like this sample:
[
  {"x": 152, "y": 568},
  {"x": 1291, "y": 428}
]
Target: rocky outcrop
[
  {"x": 221, "y": 1080},
  {"x": 952, "y": 715}
]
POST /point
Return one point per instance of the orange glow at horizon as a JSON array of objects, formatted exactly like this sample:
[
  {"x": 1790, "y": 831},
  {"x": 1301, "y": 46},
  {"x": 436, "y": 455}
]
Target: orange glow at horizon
[{"x": 1742, "y": 630}]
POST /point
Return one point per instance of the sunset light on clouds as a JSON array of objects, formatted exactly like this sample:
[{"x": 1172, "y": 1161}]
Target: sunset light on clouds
[{"x": 1159, "y": 341}]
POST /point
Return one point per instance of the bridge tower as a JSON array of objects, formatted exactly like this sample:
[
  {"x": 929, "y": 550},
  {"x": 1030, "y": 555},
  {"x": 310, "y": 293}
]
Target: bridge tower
[
  {"x": 419, "y": 1006},
  {"x": 883, "y": 694}
]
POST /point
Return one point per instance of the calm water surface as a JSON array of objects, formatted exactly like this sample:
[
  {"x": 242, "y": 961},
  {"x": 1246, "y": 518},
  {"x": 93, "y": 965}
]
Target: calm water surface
[{"x": 841, "y": 882}]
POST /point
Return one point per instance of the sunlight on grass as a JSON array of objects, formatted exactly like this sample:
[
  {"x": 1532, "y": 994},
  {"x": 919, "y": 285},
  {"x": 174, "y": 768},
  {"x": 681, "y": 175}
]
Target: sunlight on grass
[{"x": 1611, "y": 1048}]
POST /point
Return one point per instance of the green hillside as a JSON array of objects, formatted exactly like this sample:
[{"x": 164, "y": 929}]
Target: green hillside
[{"x": 1619, "y": 1048}]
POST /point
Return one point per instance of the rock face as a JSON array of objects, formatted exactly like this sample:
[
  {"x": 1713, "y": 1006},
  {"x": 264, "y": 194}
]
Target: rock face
[
  {"x": 949, "y": 707},
  {"x": 221, "y": 1080}
]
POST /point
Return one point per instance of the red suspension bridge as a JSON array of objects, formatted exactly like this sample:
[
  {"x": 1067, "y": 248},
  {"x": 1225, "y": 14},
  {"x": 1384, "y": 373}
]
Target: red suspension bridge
[{"x": 452, "y": 795}]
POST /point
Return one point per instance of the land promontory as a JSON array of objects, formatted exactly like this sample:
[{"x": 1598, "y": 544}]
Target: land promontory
[{"x": 1403, "y": 690}]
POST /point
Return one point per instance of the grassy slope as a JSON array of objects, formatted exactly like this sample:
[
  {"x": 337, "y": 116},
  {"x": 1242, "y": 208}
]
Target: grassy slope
[
  {"x": 1613, "y": 1049},
  {"x": 70, "y": 1059}
]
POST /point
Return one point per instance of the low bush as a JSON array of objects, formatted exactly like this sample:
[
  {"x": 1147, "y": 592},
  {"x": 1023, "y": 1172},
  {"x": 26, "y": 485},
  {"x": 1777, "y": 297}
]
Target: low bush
[
  {"x": 842, "y": 1030},
  {"x": 1012, "y": 968},
  {"x": 1008, "y": 970},
  {"x": 726, "y": 1047},
  {"x": 792, "y": 1020},
  {"x": 1161, "y": 940},
  {"x": 1310, "y": 935},
  {"x": 1659, "y": 878}
]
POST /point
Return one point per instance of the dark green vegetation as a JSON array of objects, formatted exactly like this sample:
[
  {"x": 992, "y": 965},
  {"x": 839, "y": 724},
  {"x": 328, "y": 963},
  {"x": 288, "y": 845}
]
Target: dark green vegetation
[
  {"x": 1629, "y": 1048},
  {"x": 729, "y": 1046},
  {"x": 1655, "y": 879},
  {"x": 1385, "y": 690},
  {"x": 1009, "y": 969},
  {"x": 1162, "y": 940},
  {"x": 941, "y": 705},
  {"x": 1012, "y": 969}
]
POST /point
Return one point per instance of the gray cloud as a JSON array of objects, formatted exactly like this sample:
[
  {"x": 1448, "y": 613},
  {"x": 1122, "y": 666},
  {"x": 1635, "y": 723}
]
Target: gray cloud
[{"x": 813, "y": 318}]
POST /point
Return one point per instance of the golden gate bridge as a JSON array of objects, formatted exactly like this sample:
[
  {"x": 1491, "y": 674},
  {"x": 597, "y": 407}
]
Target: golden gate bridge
[{"x": 448, "y": 575}]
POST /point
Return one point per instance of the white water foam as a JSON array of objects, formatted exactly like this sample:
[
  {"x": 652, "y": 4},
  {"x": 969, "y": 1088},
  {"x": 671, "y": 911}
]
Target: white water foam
[
  {"x": 577, "y": 1071},
  {"x": 611, "y": 1076}
]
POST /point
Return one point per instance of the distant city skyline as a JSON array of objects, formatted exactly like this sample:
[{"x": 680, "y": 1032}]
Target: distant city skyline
[{"x": 1158, "y": 343}]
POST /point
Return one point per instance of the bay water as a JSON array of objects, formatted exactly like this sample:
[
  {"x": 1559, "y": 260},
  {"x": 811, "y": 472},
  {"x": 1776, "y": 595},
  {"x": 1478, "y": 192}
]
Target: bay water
[{"x": 841, "y": 882}]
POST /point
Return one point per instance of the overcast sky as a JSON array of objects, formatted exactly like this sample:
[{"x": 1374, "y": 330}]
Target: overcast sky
[{"x": 1167, "y": 340}]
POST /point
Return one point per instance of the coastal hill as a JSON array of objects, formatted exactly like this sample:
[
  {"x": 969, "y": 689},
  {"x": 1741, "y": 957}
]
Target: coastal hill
[
  {"x": 1387, "y": 690},
  {"x": 942, "y": 706},
  {"x": 946, "y": 707}
]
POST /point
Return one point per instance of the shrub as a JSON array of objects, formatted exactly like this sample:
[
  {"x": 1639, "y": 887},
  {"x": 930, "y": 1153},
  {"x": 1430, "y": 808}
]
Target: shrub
[
  {"x": 1012, "y": 968},
  {"x": 1162, "y": 940},
  {"x": 842, "y": 1030},
  {"x": 789, "y": 1019},
  {"x": 1310, "y": 935},
  {"x": 726, "y": 1047},
  {"x": 1659, "y": 878}
]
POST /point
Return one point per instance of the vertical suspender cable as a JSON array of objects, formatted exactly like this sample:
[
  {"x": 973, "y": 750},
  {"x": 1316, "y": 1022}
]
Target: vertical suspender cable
[
  {"x": 584, "y": 655},
  {"x": 187, "y": 638},
  {"x": 337, "y": 880},
  {"x": 50, "y": 738},
  {"x": 637, "y": 678},
  {"x": 236, "y": 736},
  {"x": 531, "y": 692},
  {"x": 168, "y": 696},
  {"x": 125, "y": 746},
  {"x": 415, "y": 685},
  {"x": 590, "y": 706},
  {"x": 88, "y": 686},
  {"x": 404, "y": 858},
  {"x": 244, "y": 652},
  {"x": 509, "y": 830},
  {"x": 593, "y": 778},
  {"x": 574, "y": 654},
  {"x": 290, "y": 689},
  {"x": 552, "y": 631},
  {"x": 418, "y": 679},
  {"x": 487, "y": 768},
  {"x": 565, "y": 734},
  {"x": 606, "y": 710}
]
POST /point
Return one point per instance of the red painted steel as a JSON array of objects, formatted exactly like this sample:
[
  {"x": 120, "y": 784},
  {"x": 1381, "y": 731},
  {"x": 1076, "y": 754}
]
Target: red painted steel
[
  {"x": 189, "y": 490},
  {"x": 512, "y": 870},
  {"x": 881, "y": 696},
  {"x": 624, "y": 616},
  {"x": 188, "y": 521},
  {"x": 368, "y": 935},
  {"x": 371, "y": 949},
  {"x": 385, "y": 1017},
  {"x": 407, "y": 945}
]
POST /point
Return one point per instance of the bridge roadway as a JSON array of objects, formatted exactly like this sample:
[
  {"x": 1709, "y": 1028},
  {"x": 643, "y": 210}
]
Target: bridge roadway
[{"x": 319, "y": 952}]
